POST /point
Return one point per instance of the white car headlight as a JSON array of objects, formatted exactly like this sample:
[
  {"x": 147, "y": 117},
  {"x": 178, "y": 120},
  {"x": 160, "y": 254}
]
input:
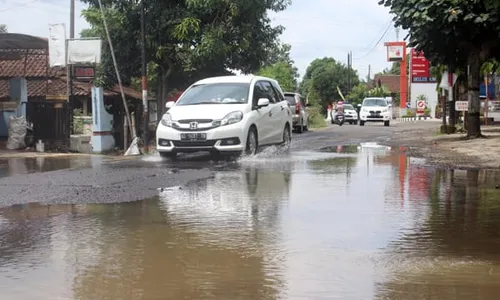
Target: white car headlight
[
  {"x": 166, "y": 120},
  {"x": 231, "y": 118},
  {"x": 385, "y": 110},
  {"x": 364, "y": 109}
]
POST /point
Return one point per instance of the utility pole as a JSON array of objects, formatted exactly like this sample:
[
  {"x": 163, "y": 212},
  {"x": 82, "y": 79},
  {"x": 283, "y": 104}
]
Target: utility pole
[
  {"x": 349, "y": 67},
  {"x": 144, "y": 82},
  {"x": 69, "y": 68},
  {"x": 369, "y": 74}
]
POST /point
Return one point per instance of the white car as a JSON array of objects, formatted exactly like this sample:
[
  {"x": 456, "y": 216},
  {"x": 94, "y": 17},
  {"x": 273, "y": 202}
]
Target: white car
[
  {"x": 227, "y": 114},
  {"x": 375, "y": 110}
]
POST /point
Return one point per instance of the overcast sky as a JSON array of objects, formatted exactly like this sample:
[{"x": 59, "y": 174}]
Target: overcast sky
[{"x": 314, "y": 28}]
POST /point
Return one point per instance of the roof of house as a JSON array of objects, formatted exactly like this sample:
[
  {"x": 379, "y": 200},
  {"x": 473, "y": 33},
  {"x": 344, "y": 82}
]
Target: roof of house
[
  {"x": 33, "y": 64},
  {"x": 390, "y": 81},
  {"x": 17, "y": 41},
  {"x": 45, "y": 80}
]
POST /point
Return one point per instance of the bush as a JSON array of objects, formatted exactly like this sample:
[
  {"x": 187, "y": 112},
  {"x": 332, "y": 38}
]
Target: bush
[
  {"x": 427, "y": 112},
  {"x": 410, "y": 114},
  {"x": 315, "y": 117}
]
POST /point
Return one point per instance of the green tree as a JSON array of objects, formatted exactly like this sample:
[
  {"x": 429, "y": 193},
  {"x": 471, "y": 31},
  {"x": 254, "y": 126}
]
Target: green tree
[
  {"x": 460, "y": 34},
  {"x": 3, "y": 28},
  {"x": 323, "y": 76},
  {"x": 358, "y": 93},
  {"x": 285, "y": 73},
  {"x": 379, "y": 91},
  {"x": 190, "y": 39}
]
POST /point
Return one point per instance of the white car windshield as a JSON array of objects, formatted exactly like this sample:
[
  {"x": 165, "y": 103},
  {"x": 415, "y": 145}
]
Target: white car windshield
[
  {"x": 348, "y": 107},
  {"x": 374, "y": 102},
  {"x": 216, "y": 93}
]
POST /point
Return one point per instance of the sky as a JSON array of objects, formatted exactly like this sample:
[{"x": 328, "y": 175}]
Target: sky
[{"x": 314, "y": 28}]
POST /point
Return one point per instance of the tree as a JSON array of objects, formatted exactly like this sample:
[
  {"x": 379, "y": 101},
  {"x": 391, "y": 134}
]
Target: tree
[
  {"x": 460, "y": 34},
  {"x": 358, "y": 93},
  {"x": 3, "y": 28},
  {"x": 284, "y": 73},
  {"x": 190, "y": 39},
  {"x": 323, "y": 76}
]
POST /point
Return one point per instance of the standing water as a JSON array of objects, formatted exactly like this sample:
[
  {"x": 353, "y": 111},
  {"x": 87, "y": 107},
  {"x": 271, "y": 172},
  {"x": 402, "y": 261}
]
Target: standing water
[{"x": 350, "y": 222}]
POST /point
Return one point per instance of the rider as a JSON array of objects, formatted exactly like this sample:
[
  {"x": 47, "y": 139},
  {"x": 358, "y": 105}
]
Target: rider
[{"x": 339, "y": 108}]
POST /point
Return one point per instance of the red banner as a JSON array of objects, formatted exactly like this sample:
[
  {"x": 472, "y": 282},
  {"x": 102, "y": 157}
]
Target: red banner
[{"x": 420, "y": 68}]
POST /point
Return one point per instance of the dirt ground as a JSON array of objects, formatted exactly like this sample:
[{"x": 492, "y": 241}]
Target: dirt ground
[{"x": 451, "y": 151}]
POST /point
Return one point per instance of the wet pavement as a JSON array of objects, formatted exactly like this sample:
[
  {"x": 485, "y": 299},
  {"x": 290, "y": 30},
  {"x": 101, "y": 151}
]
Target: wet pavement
[
  {"x": 359, "y": 221},
  {"x": 348, "y": 222}
]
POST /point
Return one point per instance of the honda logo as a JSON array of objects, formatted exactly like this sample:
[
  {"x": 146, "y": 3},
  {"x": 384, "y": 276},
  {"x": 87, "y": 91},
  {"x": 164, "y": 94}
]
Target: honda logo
[{"x": 193, "y": 125}]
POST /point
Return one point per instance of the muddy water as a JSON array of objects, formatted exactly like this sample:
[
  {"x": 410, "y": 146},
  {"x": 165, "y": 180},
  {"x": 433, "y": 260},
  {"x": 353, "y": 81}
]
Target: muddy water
[
  {"x": 26, "y": 165},
  {"x": 346, "y": 223}
]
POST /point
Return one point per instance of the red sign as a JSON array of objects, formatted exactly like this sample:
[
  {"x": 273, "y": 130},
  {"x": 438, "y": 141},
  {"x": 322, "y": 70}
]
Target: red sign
[
  {"x": 84, "y": 72},
  {"x": 420, "y": 68}
]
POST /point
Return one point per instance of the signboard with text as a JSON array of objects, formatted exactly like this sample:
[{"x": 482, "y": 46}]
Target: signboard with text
[
  {"x": 84, "y": 73},
  {"x": 461, "y": 105},
  {"x": 420, "y": 68}
]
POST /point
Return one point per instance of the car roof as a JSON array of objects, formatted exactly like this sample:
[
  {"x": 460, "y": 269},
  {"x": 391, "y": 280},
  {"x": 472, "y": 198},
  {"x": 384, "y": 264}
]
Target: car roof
[
  {"x": 375, "y": 98},
  {"x": 234, "y": 79}
]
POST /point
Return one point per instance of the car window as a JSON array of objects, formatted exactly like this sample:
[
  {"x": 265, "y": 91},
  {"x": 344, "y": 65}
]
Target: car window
[
  {"x": 215, "y": 93},
  {"x": 258, "y": 92},
  {"x": 348, "y": 107},
  {"x": 290, "y": 98},
  {"x": 374, "y": 102},
  {"x": 278, "y": 91},
  {"x": 268, "y": 89}
]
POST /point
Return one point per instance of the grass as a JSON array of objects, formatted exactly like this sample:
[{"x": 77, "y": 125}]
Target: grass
[{"x": 316, "y": 118}]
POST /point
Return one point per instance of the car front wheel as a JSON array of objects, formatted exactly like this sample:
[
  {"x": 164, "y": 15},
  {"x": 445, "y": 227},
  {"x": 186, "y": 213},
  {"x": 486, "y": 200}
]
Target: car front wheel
[{"x": 252, "y": 142}]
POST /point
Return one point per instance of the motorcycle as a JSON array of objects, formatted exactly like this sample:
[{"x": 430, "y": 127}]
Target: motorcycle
[{"x": 338, "y": 119}]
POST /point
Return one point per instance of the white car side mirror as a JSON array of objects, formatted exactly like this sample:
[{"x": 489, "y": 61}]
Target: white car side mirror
[
  {"x": 169, "y": 104},
  {"x": 263, "y": 102}
]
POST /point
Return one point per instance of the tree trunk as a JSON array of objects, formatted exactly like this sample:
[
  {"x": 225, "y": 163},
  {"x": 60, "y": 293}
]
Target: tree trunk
[
  {"x": 473, "y": 81},
  {"x": 162, "y": 89}
]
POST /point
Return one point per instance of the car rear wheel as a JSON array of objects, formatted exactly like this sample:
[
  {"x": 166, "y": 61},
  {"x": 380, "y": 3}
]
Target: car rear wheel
[
  {"x": 387, "y": 123},
  {"x": 252, "y": 142},
  {"x": 361, "y": 123}
]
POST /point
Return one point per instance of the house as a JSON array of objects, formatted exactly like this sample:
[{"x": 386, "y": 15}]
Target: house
[
  {"x": 49, "y": 84},
  {"x": 390, "y": 81}
]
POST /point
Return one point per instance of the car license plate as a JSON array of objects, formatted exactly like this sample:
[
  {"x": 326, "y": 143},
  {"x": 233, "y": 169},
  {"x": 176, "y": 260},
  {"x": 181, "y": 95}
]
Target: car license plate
[{"x": 193, "y": 136}]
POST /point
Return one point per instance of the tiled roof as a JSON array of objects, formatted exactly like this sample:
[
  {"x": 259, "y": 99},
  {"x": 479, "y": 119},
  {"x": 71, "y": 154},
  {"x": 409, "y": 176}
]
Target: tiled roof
[
  {"x": 43, "y": 80},
  {"x": 390, "y": 81},
  {"x": 57, "y": 86},
  {"x": 31, "y": 65}
]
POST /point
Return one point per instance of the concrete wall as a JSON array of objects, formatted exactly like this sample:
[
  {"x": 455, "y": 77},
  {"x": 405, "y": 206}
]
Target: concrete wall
[{"x": 427, "y": 89}]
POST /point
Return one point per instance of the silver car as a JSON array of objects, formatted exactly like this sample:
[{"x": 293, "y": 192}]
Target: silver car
[{"x": 298, "y": 106}]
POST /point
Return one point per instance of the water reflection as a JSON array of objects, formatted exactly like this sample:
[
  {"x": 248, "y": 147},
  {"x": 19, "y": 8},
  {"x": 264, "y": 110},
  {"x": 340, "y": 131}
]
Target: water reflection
[
  {"x": 294, "y": 227},
  {"x": 453, "y": 251},
  {"x": 26, "y": 165}
]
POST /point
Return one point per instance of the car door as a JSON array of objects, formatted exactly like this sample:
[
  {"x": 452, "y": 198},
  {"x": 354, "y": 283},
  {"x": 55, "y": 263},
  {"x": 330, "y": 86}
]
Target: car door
[
  {"x": 275, "y": 113},
  {"x": 262, "y": 118},
  {"x": 284, "y": 112}
]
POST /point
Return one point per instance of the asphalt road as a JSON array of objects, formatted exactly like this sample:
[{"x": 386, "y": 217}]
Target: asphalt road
[{"x": 113, "y": 180}]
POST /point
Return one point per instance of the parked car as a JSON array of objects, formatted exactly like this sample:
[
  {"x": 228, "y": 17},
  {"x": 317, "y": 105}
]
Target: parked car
[
  {"x": 227, "y": 114},
  {"x": 350, "y": 114},
  {"x": 300, "y": 115},
  {"x": 375, "y": 110}
]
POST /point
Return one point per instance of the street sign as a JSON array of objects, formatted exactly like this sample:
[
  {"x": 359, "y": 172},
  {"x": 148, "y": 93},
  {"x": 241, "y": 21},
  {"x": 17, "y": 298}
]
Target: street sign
[
  {"x": 461, "y": 105},
  {"x": 420, "y": 106}
]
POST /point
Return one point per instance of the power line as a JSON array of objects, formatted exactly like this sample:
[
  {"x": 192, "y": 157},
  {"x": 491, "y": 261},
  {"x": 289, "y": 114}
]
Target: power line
[{"x": 378, "y": 42}]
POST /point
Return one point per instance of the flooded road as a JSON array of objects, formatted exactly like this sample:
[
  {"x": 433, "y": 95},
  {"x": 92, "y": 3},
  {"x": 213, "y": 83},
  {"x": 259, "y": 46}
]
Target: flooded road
[{"x": 348, "y": 222}]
